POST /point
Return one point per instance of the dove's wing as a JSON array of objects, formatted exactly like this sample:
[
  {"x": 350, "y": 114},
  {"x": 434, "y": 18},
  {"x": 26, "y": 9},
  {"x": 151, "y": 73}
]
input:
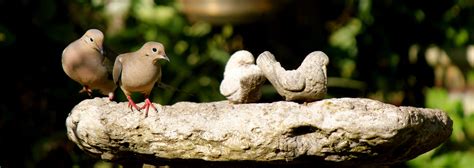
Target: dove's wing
[{"x": 117, "y": 72}]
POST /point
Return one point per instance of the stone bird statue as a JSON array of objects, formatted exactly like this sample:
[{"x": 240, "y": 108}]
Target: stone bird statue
[
  {"x": 306, "y": 83},
  {"x": 242, "y": 79}
]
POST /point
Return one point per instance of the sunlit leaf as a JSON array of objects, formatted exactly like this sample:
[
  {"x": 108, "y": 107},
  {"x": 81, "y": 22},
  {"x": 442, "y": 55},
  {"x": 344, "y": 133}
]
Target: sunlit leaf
[
  {"x": 345, "y": 37},
  {"x": 461, "y": 37},
  {"x": 422, "y": 160},
  {"x": 419, "y": 15},
  {"x": 227, "y": 31},
  {"x": 198, "y": 29},
  {"x": 445, "y": 160},
  {"x": 164, "y": 15},
  {"x": 365, "y": 9},
  {"x": 469, "y": 126},
  {"x": 438, "y": 98},
  {"x": 181, "y": 46}
]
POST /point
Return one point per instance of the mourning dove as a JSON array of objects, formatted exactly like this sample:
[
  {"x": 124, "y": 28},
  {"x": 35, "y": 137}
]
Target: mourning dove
[
  {"x": 83, "y": 61},
  {"x": 139, "y": 71},
  {"x": 242, "y": 79},
  {"x": 306, "y": 83}
]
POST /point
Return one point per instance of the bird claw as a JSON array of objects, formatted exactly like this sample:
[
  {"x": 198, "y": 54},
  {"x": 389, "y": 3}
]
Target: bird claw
[
  {"x": 132, "y": 104},
  {"x": 147, "y": 106},
  {"x": 87, "y": 90},
  {"x": 111, "y": 96}
]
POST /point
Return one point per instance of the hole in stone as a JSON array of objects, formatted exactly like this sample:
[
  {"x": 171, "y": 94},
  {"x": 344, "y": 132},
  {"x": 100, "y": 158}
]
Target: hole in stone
[
  {"x": 125, "y": 144},
  {"x": 301, "y": 130}
]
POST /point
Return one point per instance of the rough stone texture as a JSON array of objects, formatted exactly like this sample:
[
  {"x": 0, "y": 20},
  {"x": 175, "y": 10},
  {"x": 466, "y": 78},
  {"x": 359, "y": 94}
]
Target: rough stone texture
[
  {"x": 242, "y": 79},
  {"x": 306, "y": 83},
  {"x": 343, "y": 131}
]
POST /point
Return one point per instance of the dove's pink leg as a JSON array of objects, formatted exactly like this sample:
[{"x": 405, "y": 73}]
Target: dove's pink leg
[
  {"x": 111, "y": 96},
  {"x": 147, "y": 106},
  {"x": 86, "y": 89},
  {"x": 132, "y": 104}
]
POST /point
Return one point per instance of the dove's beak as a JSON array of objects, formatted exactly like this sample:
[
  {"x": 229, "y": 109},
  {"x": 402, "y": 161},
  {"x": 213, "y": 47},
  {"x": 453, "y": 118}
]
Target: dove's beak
[
  {"x": 160, "y": 57},
  {"x": 99, "y": 49},
  {"x": 165, "y": 57}
]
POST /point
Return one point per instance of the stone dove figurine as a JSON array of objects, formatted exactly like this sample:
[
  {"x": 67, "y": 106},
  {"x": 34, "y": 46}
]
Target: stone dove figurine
[
  {"x": 242, "y": 79},
  {"x": 139, "y": 71},
  {"x": 83, "y": 61},
  {"x": 306, "y": 83}
]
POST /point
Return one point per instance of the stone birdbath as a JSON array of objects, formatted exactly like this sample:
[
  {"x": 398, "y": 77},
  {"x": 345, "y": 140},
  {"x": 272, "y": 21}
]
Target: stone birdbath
[{"x": 302, "y": 131}]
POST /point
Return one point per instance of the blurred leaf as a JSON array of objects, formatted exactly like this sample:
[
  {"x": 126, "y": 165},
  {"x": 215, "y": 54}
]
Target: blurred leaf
[
  {"x": 198, "y": 29},
  {"x": 348, "y": 67},
  {"x": 147, "y": 11},
  {"x": 457, "y": 135},
  {"x": 6, "y": 37},
  {"x": 345, "y": 37},
  {"x": 449, "y": 159},
  {"x": 461, "y": 37},
  {"x": 394, "y": 60},
  {"x": 204, "y": 81},
  {"x": 365, "y": 9},
  {"x": 218, "y": 55},
  {"x": 419, "y": 15},
  {"x": 438, "y": 98},
  {"x": 450, "y": 33},
  {"x": 469, "y": 126},
  {"x": 227, "y": 31},
  {"x": 422, "y": 160},
  {"x": 103, "y": 164},
  {"x": 466, "y": 159},
  {"x": 151, "y": 35},
  {"x": 180, "y": 47},
  {"x": 470, "y": 77},
  {"x": 193, "y": 59},
  {"x": 445, "y": 160},
  {"x": 164, "y": 15}
]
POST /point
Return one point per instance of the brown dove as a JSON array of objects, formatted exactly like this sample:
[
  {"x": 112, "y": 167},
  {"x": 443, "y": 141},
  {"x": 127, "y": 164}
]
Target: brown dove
[
  {"x": 83, "y": 61},
  {"x": 139, "y": 71}
]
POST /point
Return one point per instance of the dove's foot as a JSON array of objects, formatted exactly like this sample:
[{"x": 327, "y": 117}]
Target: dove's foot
[
  {"x": 111, "y": 96},
  {"x": 86, "y": 89},
  {"x": 147, "y": 106},
  {"x": 132, "y": 104}
]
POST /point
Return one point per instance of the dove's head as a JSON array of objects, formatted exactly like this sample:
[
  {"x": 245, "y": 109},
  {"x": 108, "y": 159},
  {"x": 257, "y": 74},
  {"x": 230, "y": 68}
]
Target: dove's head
[
  {"x": 94, "y": 38},
  {"x": 154, "y": 51}
]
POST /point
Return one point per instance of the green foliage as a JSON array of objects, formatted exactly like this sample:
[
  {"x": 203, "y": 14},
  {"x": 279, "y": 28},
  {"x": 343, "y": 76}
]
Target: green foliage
[{"x": 458, "y": 151}]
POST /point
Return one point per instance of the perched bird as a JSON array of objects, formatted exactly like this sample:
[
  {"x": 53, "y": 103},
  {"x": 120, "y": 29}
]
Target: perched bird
[
  {"x": 139, "y": 71},
  {"x": 83, "y": 61},
  {"x": 306, "y": 83},
  {"x": 242, "y": 79}
]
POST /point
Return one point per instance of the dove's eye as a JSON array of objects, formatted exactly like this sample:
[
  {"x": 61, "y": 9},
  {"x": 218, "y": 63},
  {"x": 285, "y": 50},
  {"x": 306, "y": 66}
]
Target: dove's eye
[
  {"x": 91, "y": 39},
  {"x": 154, "y": 49}
]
